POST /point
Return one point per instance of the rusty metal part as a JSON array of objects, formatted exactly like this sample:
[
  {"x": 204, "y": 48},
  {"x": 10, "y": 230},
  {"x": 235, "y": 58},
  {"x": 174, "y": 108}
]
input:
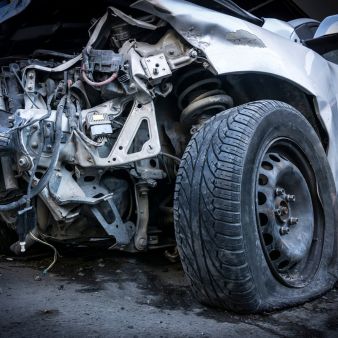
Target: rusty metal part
[{"x": 142, "y": 203}]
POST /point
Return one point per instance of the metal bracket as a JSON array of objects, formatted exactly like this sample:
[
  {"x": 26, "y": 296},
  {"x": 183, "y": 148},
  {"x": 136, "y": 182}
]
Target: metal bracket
[
  {"x": 156, "y": 67},
  {"x": 29, "y": 88},
  {"x": 120, "y": 153},
  {"x": 49, "y": 136},
  {"x": 65, "y": 190},
  {"x": 30, "y": 82},
  {"x": 123, "y": 232},
  {"x": 141, "y": 235}
]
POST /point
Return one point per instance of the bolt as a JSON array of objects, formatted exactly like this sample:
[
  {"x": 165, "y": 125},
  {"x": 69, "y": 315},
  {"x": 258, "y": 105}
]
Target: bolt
[
  {"x": 290, "y": 198},
  {"x": 49, "y": 147},
  {"x": 23, "y": 161},
  {"x": 49, "y": 124},
  {"x": 29, "y": 87},
  {"x": 34, "y": 145},
  {"x": 284, "y": 230},
  {"x": 193, "y": 53},
  {"x": 193, "y": 130},
  {"x": 293, "y": 220},
  {"x": 279, "y": 191},
  {"x": 31, "y": 76}
]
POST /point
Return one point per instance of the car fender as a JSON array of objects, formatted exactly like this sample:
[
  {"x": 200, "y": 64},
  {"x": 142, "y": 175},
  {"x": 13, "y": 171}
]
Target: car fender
[{"x": 232, "y": 45}]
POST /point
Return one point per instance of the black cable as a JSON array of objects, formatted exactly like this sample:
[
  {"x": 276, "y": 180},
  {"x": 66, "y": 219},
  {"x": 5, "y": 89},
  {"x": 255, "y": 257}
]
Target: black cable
[{"x": 46, "y": 52}]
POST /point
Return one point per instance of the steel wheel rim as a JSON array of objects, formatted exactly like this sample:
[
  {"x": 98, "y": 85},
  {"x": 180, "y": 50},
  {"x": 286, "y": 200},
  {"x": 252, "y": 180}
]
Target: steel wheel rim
[{"x": 289, "y": 213}]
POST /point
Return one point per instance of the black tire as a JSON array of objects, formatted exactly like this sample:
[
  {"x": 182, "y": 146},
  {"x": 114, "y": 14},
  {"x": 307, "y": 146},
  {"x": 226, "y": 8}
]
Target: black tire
[{"x": 218, "y": 231}]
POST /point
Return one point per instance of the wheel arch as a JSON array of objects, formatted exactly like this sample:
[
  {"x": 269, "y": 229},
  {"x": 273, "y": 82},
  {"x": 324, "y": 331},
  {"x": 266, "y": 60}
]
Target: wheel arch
[{"x": 249, "y": 87}]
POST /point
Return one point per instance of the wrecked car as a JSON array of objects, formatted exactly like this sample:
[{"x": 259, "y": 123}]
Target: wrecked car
[{"x": 182, "y": 123}]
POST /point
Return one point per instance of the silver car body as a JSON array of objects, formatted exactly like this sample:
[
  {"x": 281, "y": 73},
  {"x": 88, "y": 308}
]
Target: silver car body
[{"x": 232, "y": 45}]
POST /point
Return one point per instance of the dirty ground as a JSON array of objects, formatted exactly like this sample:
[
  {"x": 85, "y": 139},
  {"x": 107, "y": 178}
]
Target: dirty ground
[{"x": 123, "y": 295}]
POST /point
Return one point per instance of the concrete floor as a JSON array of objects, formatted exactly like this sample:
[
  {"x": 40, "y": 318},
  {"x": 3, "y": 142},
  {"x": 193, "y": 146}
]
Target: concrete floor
[{"x": 121, "y": 295}]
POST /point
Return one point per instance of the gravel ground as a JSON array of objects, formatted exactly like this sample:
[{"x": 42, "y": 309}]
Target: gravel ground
[{"x": 121, "y": 295}]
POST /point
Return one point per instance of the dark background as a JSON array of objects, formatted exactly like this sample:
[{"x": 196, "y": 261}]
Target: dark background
[{"x": 290, "y": 9}]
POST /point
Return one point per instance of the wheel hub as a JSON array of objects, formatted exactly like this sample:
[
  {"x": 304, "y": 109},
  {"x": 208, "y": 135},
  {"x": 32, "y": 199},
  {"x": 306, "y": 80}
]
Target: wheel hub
[
  {"x": 282, "y": 211},
  {"x": 285, "y": 213}
]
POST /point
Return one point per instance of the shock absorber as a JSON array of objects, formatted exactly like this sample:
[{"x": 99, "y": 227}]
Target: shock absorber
[{"x": 200, "y": 96}]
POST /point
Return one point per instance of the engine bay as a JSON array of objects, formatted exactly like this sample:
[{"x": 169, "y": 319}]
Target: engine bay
[{"x": 91, "y": 142}]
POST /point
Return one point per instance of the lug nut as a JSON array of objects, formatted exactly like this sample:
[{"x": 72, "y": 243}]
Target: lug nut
[
  {"x": 279, "y": 191},
  {"x": 293, "y": 220},
  {"x": 284, "y": 230},
  {"x": 290, "y": 198}
]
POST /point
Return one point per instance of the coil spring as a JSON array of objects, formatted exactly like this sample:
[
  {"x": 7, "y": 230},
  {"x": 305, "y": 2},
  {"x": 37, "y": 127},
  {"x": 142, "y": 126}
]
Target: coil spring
[{"x": 200, "y": 95}]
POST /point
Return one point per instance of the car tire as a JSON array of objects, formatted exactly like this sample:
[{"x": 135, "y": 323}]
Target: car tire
[{"x": 236, "y": 225}]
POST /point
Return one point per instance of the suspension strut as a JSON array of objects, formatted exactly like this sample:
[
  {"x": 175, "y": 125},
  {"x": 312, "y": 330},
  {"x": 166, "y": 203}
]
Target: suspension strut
[{"x": 200, "y": 95}]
